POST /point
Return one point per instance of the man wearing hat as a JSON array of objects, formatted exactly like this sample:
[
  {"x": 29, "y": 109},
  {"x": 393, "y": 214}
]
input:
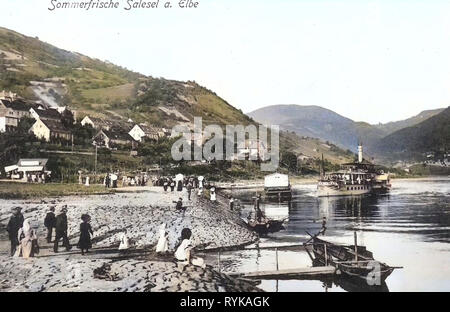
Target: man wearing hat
[
  {"x": 14, "y": 224},
  {"x": 61, "y": 230},
  {"x": 50, "y": 223}
]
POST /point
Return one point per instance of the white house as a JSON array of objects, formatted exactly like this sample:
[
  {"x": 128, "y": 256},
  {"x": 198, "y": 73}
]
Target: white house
[
  {"x": 50, "y": 130},
  {"x": 12, "y": 108},
  {"x": 11, "y": 111},
  {"x": 112, "y": 138},
  {"x": 95, "y": 123},
  {"x": 144, "y": 132}
]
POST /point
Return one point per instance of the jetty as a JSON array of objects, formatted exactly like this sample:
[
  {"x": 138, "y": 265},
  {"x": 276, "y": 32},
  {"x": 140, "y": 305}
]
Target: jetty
[{"x": 298, "y": 273}]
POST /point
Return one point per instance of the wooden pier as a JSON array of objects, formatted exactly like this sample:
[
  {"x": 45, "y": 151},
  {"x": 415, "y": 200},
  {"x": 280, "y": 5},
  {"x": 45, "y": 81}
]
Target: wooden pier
[{"x": 300, "y": 273}]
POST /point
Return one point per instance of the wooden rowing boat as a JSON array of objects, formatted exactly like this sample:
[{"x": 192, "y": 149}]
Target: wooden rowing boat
[
  {"x": 265, "y": 226},
  {"x": 351, "y": 260}
]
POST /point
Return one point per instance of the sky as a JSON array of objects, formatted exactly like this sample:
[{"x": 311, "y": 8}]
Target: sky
[{"x": 373, "y": 61}]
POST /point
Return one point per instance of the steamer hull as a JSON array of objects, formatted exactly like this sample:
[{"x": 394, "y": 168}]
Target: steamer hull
[{"x": 344, "y": 190}]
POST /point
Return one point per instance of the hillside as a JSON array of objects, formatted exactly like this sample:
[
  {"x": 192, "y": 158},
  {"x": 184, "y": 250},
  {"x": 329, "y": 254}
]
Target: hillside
[
  {"x": 42, "y": 72},
  {"x": 431, "y": 135},
  {"x": 393, "y": 126},
  {"x": 318, "y": 122}
]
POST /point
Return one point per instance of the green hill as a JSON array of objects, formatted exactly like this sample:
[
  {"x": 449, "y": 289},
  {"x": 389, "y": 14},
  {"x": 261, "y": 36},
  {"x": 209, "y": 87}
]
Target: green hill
[
  {"x": 431, "y": 135},
  {"x": 393, "y": 126}
]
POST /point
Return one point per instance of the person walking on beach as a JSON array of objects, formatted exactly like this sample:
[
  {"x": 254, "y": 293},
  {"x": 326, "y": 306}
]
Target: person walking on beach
[
  {"x": 61, "y": 230},
  {"x": 189, "y": 190},
  {"x": 179, "y": 186},
  {"x": 28, "y": 240},
  {"x": 172, "y": 186},
  {"x": 113, "y": 182},
  {"x": 50, "y": 223},
  {"x": 165, "y": 185},
  {"x": 212, "y": 193},
  {"x": 85, "y": 234},
  {"x": 107, "y": 181},
  {"x": 231, "y": 203},
  {"x": 14, "y": 224}
]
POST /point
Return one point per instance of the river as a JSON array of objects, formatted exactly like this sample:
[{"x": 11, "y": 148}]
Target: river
[{"x": 410, "y": 227}]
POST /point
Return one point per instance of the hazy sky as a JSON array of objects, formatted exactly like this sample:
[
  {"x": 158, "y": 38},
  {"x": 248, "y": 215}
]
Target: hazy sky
[{"x": 374, "y": 61}]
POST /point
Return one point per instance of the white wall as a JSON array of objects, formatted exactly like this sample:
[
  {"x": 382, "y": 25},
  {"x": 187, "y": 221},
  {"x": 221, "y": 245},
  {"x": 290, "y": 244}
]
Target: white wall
[{"x": 2, "y": 124}]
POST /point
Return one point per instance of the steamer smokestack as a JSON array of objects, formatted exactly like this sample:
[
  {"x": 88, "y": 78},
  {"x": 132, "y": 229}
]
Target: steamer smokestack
[{"x": 360, "y": 152}]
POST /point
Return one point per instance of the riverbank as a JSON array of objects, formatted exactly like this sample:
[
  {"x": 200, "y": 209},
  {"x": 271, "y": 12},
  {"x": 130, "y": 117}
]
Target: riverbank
[
  {"x": 141, "y": 214},
  {"x": 18, "y": 190}
]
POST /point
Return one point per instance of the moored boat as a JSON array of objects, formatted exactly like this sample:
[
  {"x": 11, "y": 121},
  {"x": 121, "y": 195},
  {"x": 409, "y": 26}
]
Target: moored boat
[
  {"x": 382, "y": 183},
  {"x": 258, "y": 221},
  {"x": 351, "y": 260},
  {"x": 277, "y": 187}
]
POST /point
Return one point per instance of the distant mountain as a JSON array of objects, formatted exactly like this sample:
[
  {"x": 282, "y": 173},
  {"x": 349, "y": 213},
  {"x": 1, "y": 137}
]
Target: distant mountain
[
  {"x": 319, "y": 122},
  {"x": 391, "y": 127},
  {"x": 431, "y": 135},
  {"x": 324, "y": 124}
]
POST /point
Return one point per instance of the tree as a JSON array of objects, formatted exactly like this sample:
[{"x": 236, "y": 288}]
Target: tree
[{"x": 67, "y": 119}]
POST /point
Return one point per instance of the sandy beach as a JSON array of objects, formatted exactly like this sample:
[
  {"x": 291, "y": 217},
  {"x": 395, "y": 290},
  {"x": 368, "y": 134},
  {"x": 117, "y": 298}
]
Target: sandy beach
[{"x": 104, "y": 268}]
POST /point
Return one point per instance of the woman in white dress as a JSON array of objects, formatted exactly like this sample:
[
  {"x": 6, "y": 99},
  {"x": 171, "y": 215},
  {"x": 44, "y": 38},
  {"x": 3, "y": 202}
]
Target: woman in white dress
[
  {"x": 212, "y": 193},
  {"x": 124, "y": 241},
  {"x": 163, "y": 242},
  {"x": 26, "y": 236}
]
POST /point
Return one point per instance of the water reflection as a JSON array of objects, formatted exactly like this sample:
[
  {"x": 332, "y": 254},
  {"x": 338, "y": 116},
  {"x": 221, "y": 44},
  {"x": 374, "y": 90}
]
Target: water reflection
[{"x": 410, "y": 227}]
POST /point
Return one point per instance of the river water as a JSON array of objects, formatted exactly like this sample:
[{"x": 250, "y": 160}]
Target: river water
[{"x": 410, "y": 228}]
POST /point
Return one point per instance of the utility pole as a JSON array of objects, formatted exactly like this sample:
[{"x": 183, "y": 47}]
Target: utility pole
[{"x": 95, "y": 164}]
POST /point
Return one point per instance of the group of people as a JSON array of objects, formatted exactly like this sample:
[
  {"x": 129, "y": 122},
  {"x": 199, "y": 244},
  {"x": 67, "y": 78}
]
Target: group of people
[
  {"x": 36, "y": 178},
  {"x": 23, "y": 232},
  {"x": 184, "y": 248},
  {"x": 22, "y": 235},
  {"x": 110, "y": 180},
  {"x": 139, "y": 180}
]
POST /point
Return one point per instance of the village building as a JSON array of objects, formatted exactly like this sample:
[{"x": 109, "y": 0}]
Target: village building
[
  {"x": 142, "y": 133},
  {"x": 109, "y": 125},
  {"x": 12, "y": 109},
  {"x": 45, "y": 114},
  {"x": 29, "y": 170},
  {"x": 50, "y": 130},
  {"x": 96, "y": 123},
  {"x": 113, "y": 138}
]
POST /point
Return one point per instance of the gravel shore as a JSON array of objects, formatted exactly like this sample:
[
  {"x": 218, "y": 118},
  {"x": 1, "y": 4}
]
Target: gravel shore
[{"x": 212, "y": 225}]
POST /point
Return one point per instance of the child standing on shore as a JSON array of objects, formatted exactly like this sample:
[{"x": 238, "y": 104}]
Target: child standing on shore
[{"x": 85, "y": 234}]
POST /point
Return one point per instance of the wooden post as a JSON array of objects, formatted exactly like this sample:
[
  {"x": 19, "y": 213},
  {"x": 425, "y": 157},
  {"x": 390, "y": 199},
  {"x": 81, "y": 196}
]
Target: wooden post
[
  {"x": 356, "y": 246},
  {"x": 326, "y": 255},
  {"x": 276, "y": 255},
  {"x": 218, "y": 261}
]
